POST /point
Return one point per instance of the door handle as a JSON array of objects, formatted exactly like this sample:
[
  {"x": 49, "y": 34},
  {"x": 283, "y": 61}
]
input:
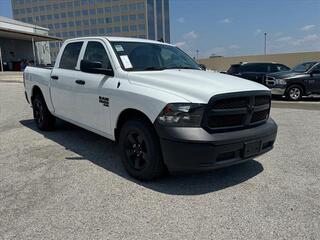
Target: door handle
[
  {"x": 54, "y": 77},
  {"x": 80, "y": 82}
]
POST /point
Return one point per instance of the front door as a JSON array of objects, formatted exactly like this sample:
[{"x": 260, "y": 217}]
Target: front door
[{"x": 93, "y": 89}]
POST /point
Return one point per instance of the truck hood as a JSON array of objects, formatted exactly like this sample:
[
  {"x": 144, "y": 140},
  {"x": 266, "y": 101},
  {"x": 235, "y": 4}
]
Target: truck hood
[
  {"x": 193, "y": 85},
  {"x": 286, "y": 74}
]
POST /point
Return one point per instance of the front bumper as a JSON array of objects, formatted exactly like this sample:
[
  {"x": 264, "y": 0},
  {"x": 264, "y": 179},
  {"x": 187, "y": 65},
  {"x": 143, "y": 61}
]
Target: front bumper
[
  {"x": 278, "y": 91},
  {"x": 189, "y": 149}
]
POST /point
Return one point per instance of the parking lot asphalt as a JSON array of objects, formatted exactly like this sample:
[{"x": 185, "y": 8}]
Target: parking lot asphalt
[{"x": 70, "y": 184}]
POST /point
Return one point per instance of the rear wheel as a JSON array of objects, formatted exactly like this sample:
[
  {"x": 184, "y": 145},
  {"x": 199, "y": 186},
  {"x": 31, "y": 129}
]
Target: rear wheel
[
  {"x": 294, "y": 93},
  {"x": 140, "y": 150},
  {"x": 44, "y": 120}
]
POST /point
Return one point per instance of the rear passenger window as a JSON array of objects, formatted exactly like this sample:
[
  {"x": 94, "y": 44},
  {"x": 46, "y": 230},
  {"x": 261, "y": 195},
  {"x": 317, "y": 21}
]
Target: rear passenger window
[
  {"x": 96, "y": 52},
  {"x": 70, "y": 55}
]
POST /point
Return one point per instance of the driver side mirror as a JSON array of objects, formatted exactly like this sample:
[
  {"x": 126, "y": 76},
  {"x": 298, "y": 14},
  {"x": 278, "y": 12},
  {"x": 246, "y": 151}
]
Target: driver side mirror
[
  {"x": 94, "y": 67},
  {"x": 203, "y": 67}
]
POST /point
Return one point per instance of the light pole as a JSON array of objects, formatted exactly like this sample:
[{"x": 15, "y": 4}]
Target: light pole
[
  {"x": 265, "y": 43},
  {"x": 197, "y": 54}
]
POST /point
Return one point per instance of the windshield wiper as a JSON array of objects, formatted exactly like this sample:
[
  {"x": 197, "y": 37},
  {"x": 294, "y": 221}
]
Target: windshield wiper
[
  {"x": 182, "y": 67},
  {"x": 152, "y": 68}
]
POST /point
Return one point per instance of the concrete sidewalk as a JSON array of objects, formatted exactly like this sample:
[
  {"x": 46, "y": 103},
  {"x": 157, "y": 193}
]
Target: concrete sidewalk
[{"x": 11, "y": 77}]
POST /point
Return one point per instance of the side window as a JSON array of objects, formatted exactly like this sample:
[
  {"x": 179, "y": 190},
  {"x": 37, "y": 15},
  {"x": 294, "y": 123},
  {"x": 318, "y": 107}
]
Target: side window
[
  {"x": 281, "y": 67},
  {"x": 70, "y": 55},
  {"x": 316, "y": 68},
  {"x": 96, "y": 52}
]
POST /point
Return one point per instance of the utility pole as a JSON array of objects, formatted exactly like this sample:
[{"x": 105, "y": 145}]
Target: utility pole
[
  {"x": 265, "y": 43},
  {"x": 197, "y": 54}
]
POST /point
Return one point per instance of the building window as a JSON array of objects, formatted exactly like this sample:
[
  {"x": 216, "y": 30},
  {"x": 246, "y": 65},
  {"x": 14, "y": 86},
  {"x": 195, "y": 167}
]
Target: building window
[
  {"x": 100, "y": 10},
  {"x": 133, "y": 28},
  {"x": 57, "y": 25},
  {"x": 55, "y": 6},
  {"x": 107, "y": 10},
  {"x": 56, "y": 16},
  {"x": 93, "y": 21},
  {"x": 41, "y": 8},
  {"x": 101, "y": 20},
  {"x": 133, "y": 6},
  {"x": 125, "y": 29},
  {"x": 141, "y": 16},
  {"x": 94, "y": 31},
  {"x": 85, "y": 22},
  {"x": 77, "y": 13},
  {"x": 116, "y": 18},
  {"x": 133, "y": 17},
  {"x": 92, "y": 11},
  {"x": 49, "y": 17},
  {"x": 79, "y": 33},
  {"x": 78, "y": 23},
  {"x": 117, "y": 29},
  {"x": 65, "y": 34},
  {"x": 43, "y": 17},
  {"x": 84, "y": 12},
  {"x": 63, "y": 15},
  {"x": 62, "y": 5},
  {"x": 49, "y": 7},
  {"x": 35, "y": 9},
  {"x": 124, "y": 18},
  {"x": 70, "y": 14},
  {"x": 63, "y": 25},
  {"x": 115, "y": 9},
  {"x": 124, "y": 8},
  {"x": 101, "y": 31},
  {"x": 30, "y": 20},
  {"x": 140, "y": 6},
  {"x": 28, "y": 10},
  {"x": 142, "y": 27},
  {"x": 109, "y": 30},
  {"x": 71, "y": 24},
  {"x": 86, "y": 32}
]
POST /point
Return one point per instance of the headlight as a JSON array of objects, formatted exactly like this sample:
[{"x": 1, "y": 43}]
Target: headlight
[
  {"x": 281, "y": 82},
  {"x": 182, "y": 114}
]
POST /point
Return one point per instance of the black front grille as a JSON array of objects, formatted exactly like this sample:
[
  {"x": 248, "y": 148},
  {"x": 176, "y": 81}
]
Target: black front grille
[
  {"x": 228, "y": 112},
  {"x": 230, "y": 103}
]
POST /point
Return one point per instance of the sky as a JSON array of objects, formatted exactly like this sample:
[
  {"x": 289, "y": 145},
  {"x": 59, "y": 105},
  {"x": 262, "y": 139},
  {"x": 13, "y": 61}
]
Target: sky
[{"x": 237, "y": 27}]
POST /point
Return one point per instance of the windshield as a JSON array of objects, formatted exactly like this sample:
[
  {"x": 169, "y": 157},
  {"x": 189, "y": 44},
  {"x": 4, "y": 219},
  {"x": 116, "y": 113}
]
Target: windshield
[
  {"x": 304, "y": 67},
  {"x": 141, "y": 56}
]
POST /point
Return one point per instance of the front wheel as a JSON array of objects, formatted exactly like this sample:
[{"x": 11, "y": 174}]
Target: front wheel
[
  {"x": 140, "y": 150},
  {"x": 294, "y": 93}
]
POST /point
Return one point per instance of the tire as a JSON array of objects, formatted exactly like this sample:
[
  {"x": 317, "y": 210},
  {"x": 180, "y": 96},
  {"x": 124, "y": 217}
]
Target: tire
[
  {"x": 140, "y": 150},
  {"x": 44, "y": 120},
  {"x": 294, "y": 93}
]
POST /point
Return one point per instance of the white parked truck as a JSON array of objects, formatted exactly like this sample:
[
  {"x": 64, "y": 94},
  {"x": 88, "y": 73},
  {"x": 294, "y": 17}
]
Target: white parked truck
[{"x": 155, "y": 101}]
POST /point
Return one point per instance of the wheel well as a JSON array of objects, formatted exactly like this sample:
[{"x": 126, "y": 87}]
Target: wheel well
[
  {"x": 125, "y": 116},
  {"x": 35, "y": 91},
  {"x": 298, "y": 84}
]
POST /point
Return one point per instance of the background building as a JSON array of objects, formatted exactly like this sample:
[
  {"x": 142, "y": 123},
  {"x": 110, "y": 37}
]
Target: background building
[
  {"x": 77, "y": 18},
  {"x": 23, "y": 44}
]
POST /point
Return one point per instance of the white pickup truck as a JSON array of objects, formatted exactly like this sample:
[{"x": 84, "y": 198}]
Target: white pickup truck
[{"x": 155, "y": 101}]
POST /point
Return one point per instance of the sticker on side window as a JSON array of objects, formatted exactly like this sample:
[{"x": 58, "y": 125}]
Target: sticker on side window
[
  {"x": 126, "y": 61},
  {"x": 119, "y": 48}
]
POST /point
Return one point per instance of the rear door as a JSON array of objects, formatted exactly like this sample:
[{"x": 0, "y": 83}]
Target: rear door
[
  {"x": 254, "y": 71},
  {"x": 94, "y": 92},
  {"x": 63, "y": 78}
]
